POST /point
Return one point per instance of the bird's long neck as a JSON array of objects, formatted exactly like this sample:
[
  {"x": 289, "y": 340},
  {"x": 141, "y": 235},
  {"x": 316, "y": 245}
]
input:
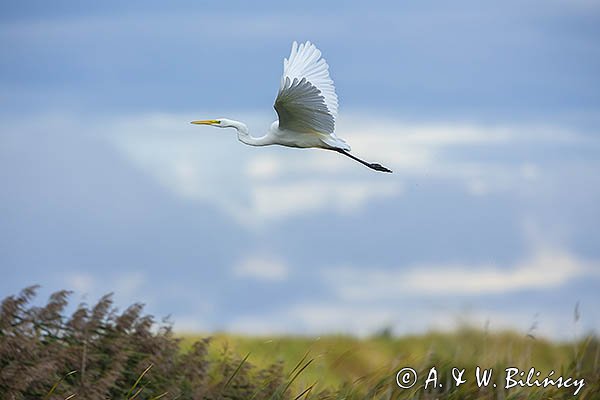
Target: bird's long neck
[{"x": 244, "y": 135}]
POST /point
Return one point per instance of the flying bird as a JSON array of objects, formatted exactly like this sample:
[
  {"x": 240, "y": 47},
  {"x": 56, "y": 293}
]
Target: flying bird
[{"x": 307, "y": 107}]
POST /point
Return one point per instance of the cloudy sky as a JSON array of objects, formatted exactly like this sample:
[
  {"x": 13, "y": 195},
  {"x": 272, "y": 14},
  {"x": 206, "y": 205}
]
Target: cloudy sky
[{"x": 489, "y": 116}]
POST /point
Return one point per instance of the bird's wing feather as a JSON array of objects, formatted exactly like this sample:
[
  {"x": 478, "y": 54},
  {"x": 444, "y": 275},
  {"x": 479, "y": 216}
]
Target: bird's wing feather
[
  {"x": 301, "y": 108},
  {"x": 306, "y": 101}
]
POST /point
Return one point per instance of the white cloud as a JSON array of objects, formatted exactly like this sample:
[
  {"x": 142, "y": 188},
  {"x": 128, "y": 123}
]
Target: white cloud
[
  {"x": 530, "y": 171},
  {"x": 545, "y": 269},
  {"x": 251, "y": 185},
  {"x": 263, "y": 167},
  {"x": 259, "y": 186},
  {"x": 424, "y": 150},
  {"x": 420, "y": 298},
  {"x": 128, "y": 287},
  {"x": 363, "y": 319},
  {"x": 81, "y": 282},
  {"x": 477, "y": 187},
  {"x": 284, "y": 199},
  {"x": 262, "y": 268},
  {"x": 316, "y": 318}
]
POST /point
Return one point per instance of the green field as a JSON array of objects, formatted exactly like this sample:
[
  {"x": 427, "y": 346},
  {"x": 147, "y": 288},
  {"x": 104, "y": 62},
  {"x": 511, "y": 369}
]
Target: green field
[
  {"x": 98, "y": 352},
  {"x": 341, "y": 361}
]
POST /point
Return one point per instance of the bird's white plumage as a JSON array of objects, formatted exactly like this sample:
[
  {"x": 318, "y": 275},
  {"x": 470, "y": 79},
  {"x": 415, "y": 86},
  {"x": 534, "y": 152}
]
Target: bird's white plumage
[
  {"x": 301, "y": 108},
  {"x": 305, "y": 62},
  {"x": 306, "y": 102},
  {"x": 307, "y": 106}
]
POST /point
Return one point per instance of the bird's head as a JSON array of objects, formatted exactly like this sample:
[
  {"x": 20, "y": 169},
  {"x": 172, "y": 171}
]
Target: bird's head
[{"x": 219, "y": 122}]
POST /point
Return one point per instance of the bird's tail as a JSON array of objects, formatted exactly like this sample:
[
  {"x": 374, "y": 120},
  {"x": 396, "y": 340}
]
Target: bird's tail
[{"x": 335, "y": 142}]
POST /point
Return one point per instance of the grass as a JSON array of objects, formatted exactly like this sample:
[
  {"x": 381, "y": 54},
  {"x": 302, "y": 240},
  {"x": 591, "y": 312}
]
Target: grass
[
  {"x": 339, "y": 360},
  {"x": 99, "y": 353}
]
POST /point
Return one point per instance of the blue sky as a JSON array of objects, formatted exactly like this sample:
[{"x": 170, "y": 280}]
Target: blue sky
[{"x": 488, "y": 114}]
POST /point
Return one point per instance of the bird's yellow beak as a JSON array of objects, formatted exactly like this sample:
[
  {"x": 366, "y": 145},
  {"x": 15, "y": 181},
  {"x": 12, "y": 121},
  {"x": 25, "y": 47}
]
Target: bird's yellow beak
[{"x": 206, "y": 122}]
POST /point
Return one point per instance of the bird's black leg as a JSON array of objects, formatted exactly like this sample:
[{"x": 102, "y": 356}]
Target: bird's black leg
[{"x": 375, "y": 166}]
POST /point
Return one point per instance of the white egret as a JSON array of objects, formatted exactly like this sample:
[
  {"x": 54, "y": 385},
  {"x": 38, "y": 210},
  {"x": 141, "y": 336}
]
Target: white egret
[{"x": 307, "y": 107}]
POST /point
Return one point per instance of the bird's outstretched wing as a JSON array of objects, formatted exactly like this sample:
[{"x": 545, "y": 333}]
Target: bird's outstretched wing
[{"x": 306, "y": 101}]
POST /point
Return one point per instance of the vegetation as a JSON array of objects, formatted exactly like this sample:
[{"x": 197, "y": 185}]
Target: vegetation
[{"x": 99, "y": 353}]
